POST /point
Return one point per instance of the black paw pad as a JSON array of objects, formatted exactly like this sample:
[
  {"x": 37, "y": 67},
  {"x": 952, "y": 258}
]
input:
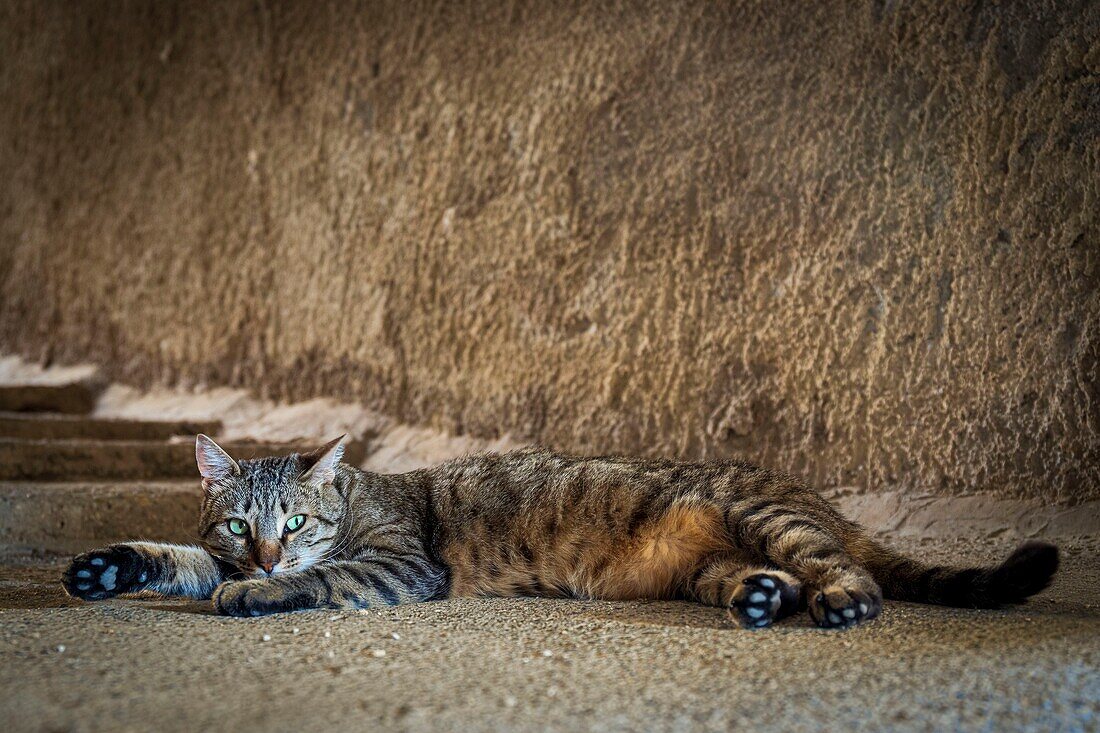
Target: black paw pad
[
  {"x": 763, "y": 598},
  {"x": 842, "y": 608},
  {"x": 106, "y": 573}
]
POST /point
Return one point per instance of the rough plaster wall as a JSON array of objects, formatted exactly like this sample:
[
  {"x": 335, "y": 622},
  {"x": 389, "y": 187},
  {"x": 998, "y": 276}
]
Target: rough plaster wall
[{"x": 855, "y": 240}]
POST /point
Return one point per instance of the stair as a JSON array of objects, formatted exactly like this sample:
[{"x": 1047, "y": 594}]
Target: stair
[
  {"x": 70, "y": 481},
  {"x": 71, "y": 517},
  {"x": 46, "y": 426},
  {"x": 114, "y": 460},
  {"x": 76, "y": 398}
]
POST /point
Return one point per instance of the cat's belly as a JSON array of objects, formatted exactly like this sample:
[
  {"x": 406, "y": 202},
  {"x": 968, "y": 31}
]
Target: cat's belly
[
  {"x": 656, "y": 562},
  {"x": 586, "y": 561}
]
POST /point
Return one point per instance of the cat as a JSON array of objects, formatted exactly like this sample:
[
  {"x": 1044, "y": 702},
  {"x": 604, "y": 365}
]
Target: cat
[{"x": 306, "y": 531}]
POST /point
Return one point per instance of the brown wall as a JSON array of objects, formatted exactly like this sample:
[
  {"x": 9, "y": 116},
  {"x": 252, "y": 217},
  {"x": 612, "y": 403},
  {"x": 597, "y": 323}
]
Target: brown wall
[{"x": 858, "y": 241}]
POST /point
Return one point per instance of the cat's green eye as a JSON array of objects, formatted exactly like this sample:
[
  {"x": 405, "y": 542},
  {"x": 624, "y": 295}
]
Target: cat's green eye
[
  {"x": 295, "y": 522},
  {"x": 238, "y": 527}
]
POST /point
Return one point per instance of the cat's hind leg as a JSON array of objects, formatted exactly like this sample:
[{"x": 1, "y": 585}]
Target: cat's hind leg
[
  {"x": 840, "y": 592},
  {"x": 756, "y": 595}
]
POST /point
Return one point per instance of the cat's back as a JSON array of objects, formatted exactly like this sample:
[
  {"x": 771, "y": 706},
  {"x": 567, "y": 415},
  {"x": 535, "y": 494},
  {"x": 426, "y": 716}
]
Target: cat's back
[{"x": 537, "y": 478}]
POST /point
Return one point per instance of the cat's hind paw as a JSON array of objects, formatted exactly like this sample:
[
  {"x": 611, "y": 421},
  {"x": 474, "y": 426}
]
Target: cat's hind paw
[
  {"x": 106, "y": 573},
  {"x": 764, "y": 597},
  {"x": 838, "y": 607}
]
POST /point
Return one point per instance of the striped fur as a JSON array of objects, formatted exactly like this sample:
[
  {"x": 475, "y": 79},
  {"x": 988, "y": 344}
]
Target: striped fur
[{"x": 536, "y": 523}]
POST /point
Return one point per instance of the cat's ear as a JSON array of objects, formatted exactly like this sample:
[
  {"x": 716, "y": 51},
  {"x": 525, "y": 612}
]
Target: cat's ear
[
  {"x": 214, "y": 463},
  {"x": 319, "y": 466}
]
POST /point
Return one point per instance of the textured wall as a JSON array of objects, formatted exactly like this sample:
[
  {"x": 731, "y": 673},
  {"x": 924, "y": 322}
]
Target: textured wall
[{"x": 856, "y": 240}]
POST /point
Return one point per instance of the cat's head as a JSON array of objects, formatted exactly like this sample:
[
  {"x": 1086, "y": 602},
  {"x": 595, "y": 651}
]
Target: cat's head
[{"x": 269, "y": 515}]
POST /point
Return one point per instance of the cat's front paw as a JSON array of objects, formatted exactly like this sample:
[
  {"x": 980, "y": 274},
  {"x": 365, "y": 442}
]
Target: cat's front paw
[
  {"x": 253, "y": 598},
  {"x": 765, "y": 597},
  {"x": 838, "y": 607},
  {"x": 105, "y": 573}
]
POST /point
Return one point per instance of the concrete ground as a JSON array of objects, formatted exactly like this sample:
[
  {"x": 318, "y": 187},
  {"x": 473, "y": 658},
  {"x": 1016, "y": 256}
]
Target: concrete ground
[{"x": 532, "y": 665}]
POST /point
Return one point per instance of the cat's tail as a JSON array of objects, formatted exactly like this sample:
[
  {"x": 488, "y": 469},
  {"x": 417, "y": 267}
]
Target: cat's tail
[{"x": 1028, "y": 570}]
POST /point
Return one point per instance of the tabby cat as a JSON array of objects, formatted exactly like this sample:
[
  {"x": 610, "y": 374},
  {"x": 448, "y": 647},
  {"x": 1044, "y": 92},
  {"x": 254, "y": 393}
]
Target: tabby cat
[{"x": 306, "y": 531}]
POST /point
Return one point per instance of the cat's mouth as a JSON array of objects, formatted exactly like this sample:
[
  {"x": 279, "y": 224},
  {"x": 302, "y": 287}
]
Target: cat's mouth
[
  {"x": 290, "y": 567},
  {"x": 280, "y": 569}
]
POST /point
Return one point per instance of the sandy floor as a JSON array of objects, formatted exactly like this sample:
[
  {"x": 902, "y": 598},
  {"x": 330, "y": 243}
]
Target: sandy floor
[{"x": 548, "y": 665}]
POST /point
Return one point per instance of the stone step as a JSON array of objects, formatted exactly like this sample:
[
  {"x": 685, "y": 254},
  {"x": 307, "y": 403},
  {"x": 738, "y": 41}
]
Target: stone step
[
  {"x": 74, "y": 398},
  {"x": 106, "y": 460},
  {"x": 76, "y": 516},
  {"x": 48, "y": 426}
]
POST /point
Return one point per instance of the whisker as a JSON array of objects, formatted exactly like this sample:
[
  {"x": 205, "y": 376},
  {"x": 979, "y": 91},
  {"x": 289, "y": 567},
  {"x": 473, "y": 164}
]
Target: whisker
[
  {"x": 337, "y": 547},
  {"x": 334, "y": 551}
]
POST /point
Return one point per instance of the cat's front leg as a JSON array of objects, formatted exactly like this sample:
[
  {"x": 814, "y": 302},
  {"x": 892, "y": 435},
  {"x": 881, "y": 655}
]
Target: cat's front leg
[
  {"x": 263, "y": 596},
  {"x": 106, "y": 573},
  {"x": 132, "y": 567},
  {"x": 381, "y": 581}
]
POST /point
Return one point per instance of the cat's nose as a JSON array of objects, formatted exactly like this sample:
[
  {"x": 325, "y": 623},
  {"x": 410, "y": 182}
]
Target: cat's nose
[{"x": 267, "y": 555}]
